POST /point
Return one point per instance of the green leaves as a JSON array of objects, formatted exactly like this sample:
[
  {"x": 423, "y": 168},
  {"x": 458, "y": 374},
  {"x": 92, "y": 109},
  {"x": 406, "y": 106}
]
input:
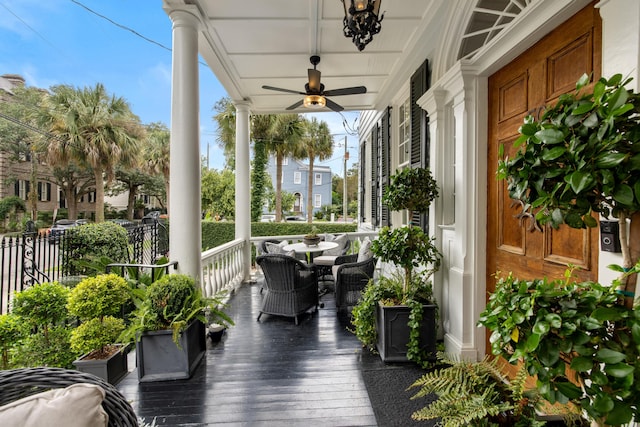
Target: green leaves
[
  {"x": 563, "y": 321},
  {"x": 581, "y": 156}
]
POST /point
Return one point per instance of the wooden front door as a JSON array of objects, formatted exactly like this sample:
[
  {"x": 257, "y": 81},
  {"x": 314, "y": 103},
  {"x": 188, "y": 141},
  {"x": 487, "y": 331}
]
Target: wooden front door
[{"x": 535, "y": 79}]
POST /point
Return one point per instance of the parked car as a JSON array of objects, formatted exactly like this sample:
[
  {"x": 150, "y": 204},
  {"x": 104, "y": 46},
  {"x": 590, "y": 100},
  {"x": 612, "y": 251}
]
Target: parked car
[
  {"x": 268, "y": 218},
  {"x": 57, "y": 230},
  {"x": 123, "y": 222},
  {"x": 295, "y": 218}
]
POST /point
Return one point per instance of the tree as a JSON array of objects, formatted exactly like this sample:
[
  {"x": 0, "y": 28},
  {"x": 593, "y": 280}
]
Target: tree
[
  {"x": 260, "y": 132},
  {"x": 94, "y": 130},
  {"x": 19, "y": 135},
  {"x": 285, "y": 136},
  {"x": 157, "y": 153},
  {"x": 317, "y": 142},
  {"x": 74, "y": 182},
  {"x": 218, "y": 192},
  {"x": 130, "y": 180},
  {"x": 226, "y": 133}
]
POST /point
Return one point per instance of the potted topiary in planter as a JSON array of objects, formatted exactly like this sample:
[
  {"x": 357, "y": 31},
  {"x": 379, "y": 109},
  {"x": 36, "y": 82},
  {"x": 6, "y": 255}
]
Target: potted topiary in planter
[
  {"x": 169, "y": 328},
  {"x": 311, "y": 238},
  {"x": 401, "y": 305},
  {"x": 581, "y": 157},
  {"x": 96, "y": 301}
]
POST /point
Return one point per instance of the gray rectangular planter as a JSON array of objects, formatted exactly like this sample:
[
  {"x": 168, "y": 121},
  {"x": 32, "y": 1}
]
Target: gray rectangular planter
[
  {"x": 160, "y": 359},
  {"x": 393, "y": 331},
  {"x": 111, "y": 370}
]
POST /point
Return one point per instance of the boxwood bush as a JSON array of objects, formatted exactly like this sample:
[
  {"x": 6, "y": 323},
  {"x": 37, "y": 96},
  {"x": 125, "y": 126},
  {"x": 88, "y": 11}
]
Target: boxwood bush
[{"x": 89, "y": 241}]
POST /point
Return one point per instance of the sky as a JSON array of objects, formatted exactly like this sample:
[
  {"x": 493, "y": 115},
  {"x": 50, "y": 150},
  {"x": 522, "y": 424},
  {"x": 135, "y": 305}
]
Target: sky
[{"x": 128, "y": 50}]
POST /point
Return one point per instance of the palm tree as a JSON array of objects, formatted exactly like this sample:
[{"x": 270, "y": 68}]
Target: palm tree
[
  {"x": 317, "y": 142},
  {"x": 94, "y": 130},
  {"x": 286, "y": 134},
  {"x": 156, "y": 152},
  {"x": 226, "y": 133}
]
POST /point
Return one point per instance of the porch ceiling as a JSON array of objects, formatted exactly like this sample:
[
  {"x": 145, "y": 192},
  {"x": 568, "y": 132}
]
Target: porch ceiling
[{"x": 251, "y": 43}]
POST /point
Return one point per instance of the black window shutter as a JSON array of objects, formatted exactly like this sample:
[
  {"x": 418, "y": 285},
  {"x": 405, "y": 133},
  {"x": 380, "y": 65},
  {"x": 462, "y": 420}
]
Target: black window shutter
[
  {"x": 16, "y": 188},
  {"x": 48, "y": 192},
  {"x": 375, "y": 220},
  {"x": 27, "y": 189},
  {"x": 363, "y": 180},
  {"x": 419, "y": 84},
  {"x": 40, "y": 191},
  {"x": 385, "y": 163}
]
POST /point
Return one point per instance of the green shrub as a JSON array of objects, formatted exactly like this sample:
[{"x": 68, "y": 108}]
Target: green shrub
[
  {"x": 11, "y": 204},
  {"x": 50, "y": 349},
  {"x": 12, "y": 330},
  {"x": 169, "y": 295},
  {"x": 99, "y": 296},
  {"x": 218, "y": 233},
  {"x": 42, "y": 305},
  {"x": 96, "y": 334},
  {"x": 94, "y": 240}
]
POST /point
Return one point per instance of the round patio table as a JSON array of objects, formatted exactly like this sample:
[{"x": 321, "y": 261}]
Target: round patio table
[{"x": 300, "y": 248}]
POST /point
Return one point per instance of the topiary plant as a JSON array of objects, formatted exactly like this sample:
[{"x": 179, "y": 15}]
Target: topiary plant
[
  {"x": 95, "y": 301},
  {"x": 12, "y": 330},
  {"x": 43, "y": 308}
]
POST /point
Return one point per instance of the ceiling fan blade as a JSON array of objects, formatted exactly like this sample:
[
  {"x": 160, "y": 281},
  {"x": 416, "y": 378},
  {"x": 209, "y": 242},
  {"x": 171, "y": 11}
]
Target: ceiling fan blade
[
  {"x": 346, "y": 91},
  {"x": 314, "y": 80},
  {"x": 294, "y": 106},
  {"x": 279, "y": 89},
  {"x": 333, "y": 106}
]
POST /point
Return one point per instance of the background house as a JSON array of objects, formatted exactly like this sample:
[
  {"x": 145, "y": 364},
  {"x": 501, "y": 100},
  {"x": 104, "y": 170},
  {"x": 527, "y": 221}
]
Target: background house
[{"x": 295, "y": 179}]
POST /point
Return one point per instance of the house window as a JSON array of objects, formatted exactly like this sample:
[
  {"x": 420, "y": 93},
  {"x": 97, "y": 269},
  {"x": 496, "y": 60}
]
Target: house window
[
  {"x": 22, "y": 189},
  {"x": 297, "y": 178},
  {"x": 92, "y": 197},
  {"x": 317, "y": 201},
  {"x": 44, "y": 191},
  {"x": 285, "y": 161},
  {"x": 404, "y": 132},
  {"x": 318, "y": 179}
]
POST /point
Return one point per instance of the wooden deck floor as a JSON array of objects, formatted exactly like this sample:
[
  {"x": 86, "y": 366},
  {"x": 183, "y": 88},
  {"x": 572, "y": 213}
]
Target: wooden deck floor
[{"x": 267, "y": 373}]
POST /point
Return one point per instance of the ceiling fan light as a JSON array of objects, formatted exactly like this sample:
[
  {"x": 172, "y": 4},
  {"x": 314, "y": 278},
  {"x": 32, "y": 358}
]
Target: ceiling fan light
[{"x": 314, "y": 101}]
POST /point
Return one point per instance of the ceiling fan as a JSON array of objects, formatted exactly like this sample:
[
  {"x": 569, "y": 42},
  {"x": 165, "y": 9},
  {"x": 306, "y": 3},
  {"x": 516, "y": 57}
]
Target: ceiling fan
[{"x": 315, "y": 95}]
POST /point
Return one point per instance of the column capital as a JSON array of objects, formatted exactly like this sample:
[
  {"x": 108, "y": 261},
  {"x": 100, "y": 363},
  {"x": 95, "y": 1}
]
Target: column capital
[
  {"x": 185, "y": 17},
  {"x": 242, "y": 106}
]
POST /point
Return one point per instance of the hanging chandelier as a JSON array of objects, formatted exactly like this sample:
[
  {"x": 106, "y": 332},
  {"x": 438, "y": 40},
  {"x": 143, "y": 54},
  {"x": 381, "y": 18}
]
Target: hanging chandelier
[{"x": 361, "y": 20}]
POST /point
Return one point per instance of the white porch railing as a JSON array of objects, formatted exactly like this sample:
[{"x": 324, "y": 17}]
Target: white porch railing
[{"x": 222, "y": 266}]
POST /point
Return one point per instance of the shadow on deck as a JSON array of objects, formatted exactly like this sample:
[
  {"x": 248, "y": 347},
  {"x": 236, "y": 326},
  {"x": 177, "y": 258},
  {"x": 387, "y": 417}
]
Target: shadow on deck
[{"x": 269, "y": 373}]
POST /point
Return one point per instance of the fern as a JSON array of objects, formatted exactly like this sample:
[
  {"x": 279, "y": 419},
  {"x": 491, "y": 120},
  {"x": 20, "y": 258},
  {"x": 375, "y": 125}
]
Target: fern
[{"x": 474, "y": 394}]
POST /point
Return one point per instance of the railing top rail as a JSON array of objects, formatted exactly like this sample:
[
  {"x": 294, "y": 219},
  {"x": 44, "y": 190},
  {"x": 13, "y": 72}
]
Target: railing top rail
[
  {"x": 351, "y": 235},
  {"x": 167, "y": 265}
]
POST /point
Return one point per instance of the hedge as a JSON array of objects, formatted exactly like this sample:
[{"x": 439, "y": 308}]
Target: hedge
[{"x": 218, "y": 233}]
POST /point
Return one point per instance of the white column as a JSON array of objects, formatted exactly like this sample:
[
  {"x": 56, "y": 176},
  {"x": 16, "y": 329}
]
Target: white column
[
  {"x": 185, "y": 233},
  {"x": 243, "y": 184}
]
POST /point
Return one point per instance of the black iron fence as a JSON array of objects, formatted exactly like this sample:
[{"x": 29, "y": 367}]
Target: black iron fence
[{"x": 35, "y": 258}]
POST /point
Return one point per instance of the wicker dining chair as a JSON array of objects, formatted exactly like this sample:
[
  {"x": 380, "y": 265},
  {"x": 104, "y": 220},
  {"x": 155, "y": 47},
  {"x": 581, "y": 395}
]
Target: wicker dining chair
[
  {"x": 291, "y": 286},
  {"x": 350, "y": 279},
  {"x": 18, "y": 383}
]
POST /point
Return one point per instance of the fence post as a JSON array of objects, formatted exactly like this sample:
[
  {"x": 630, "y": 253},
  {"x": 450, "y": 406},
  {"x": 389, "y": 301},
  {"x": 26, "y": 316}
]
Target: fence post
[{"x": 29, "y": 267}]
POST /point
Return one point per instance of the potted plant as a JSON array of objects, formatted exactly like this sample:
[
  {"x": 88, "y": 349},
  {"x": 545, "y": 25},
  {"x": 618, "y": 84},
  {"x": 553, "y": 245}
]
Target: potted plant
[
  {"x": 551, "y": 324},
  {"x": 168, "y": 326},
  {"x": 311, "y": 238},
  {"x": 582, "y": 156},
  {"x": 43, "y": 309},
  {"x": 95, "y": 301},
  {"x": 477, "y": 394},
  {"x": 403, "y": 304}
]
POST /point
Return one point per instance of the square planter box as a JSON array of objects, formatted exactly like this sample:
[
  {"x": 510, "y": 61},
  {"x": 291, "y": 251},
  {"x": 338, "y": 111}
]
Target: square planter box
[
  {"x": 160, "y": 359},
  {"x": 111, "y": 370},
  {"x": 393, "y": 331}
]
